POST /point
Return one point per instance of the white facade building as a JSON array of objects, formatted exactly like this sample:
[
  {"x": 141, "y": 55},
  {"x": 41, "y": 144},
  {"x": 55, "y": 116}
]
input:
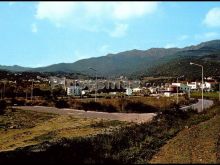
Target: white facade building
[
  {"x": 128, "y": 91},
  {"x": 74, "y": 91},
  {"x": 192, "y": 85}
]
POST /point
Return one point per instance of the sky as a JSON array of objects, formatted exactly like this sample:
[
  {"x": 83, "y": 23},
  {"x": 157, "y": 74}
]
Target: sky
[{"x": 34, "y": 34}]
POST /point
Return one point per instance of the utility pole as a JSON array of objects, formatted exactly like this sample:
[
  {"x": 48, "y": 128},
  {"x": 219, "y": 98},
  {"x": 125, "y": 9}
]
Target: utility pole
[
  {"x": 4, "y": 91},
  {"x": 32, "y": 91},
  {"x": 178, "y": 89},
  {"x": 219, "y": 92},
  {"x": 75, "y": 89},
  {"x": 26, "y": 94},
  {"x": 202, "y": 82},
  {"x": 203, "y": 85},
  {"x": 189, "y": 93},
  {"x": 95, "y": 82}
]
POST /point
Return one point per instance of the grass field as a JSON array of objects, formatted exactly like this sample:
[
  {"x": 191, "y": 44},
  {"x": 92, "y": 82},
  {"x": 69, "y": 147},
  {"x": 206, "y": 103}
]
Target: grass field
[
  {"x": 197, "y": 144},
  {"x": 208, "y": 95},
  {"x": 159, "y": 103},
  {"x": 23, "y": 128}
]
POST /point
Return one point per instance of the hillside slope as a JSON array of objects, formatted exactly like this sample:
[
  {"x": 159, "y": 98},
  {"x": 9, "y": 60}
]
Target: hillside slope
[
  {"x": 197, "y": 144},
  {"x": 134, "y": 63}
]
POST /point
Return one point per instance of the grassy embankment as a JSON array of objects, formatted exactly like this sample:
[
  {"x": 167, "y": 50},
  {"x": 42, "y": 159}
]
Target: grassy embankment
[
  {"x": 135, "y": 143},
  {"x": 20, "y": 128},
  {"x": 199, "y": 143},
  {"x": 207, "y": 95}
]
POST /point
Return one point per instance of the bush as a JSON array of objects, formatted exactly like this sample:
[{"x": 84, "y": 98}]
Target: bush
[
  {"x": 139, "y": 107},
  {"x": 96, "y": 106},
  {"x": 61, "y": 104},
  {"x": 92, "y": 105},
  {"x": 3, "y": 106}
]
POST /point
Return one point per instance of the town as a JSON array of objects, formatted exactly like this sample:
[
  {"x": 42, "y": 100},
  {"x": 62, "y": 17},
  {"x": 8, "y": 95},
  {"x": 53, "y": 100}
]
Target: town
[{"x": 36, "y": 86}]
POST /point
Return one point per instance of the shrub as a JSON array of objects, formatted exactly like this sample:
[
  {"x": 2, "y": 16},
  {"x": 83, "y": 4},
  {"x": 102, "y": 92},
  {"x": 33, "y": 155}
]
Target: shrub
[
  {"x": 139, "y": 107},
  {"x": 109, "y": 108},
  {"x": 96, "y": 106},
  {"x": 61, "y": 104},
  {"x": 3, "y": 106},
  {"x": 92, "y": 105}
]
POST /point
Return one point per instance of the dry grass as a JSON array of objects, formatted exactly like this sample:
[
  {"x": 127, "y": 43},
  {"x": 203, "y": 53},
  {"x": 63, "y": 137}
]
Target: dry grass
[
  {"x": 197, "y": 144},
  {"x": 159, "y": 103},
  {"x": 48, "y": 128}
]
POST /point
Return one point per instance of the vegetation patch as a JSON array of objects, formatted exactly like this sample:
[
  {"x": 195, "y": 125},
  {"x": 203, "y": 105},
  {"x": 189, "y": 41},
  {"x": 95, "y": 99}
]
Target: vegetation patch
[
  {"x": 133, "y": 143},
  {"x": 197, "y": 143},
  {"x": 21, "y": 128}
]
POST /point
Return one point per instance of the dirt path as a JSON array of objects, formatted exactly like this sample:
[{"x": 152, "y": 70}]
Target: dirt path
[{"x": 129, "y": 117}]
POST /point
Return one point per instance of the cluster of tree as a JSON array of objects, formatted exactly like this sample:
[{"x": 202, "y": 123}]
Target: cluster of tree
[{"x": 3, "y": 106}]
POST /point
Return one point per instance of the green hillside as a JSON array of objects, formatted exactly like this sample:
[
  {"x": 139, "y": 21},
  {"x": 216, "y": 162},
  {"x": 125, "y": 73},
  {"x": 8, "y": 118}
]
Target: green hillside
[{"x": 137, "y": 63}]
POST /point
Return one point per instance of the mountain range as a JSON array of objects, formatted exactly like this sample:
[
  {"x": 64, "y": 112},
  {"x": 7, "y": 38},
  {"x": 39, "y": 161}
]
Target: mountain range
[{"x": 136, "y": 63}]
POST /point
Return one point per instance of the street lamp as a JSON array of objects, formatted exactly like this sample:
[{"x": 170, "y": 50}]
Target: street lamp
[
  {"x": 95, "y": 81},
  {"x": 32, "y": 88},
  {"x": 219, "y": 92},
  {"x": 178, "y": 89},
  {"x": 202, "y": 80}
]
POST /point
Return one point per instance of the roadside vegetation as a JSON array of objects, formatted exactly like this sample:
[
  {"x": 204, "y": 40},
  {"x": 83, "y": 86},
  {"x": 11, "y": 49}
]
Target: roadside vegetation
[
  {"x": 197, "y": 143},
  {"x": 128, "y": 143},
  {"x": 19, "y": 128},
  {"x": 207, "y": 95}
]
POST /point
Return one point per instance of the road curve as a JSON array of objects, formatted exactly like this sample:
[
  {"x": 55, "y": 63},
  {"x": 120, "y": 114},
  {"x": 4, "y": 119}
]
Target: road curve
[
  {"x": 129, "y": 117},
  {"x": 198, "y": 105}
]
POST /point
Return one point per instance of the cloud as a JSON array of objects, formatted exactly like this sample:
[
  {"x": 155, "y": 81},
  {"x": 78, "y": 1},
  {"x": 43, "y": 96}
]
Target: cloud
[
  {"x": 78, "y": 55},
  {"x": 183, "y": 37},
  {"x": 127, "y": 10},
  {"x": 11, "y": 3},
  {"x": 170, "y": 45},
  {"x": 34, "y": 28},
  {"x": 56, "y": 12},
  {"x": 104, "y": 49},
  {"x": 212, "y": 18},
  {"x": 84, "y": 14},
  {"x": 207, "y": 36},
  {"x": 119, "y": 31}
]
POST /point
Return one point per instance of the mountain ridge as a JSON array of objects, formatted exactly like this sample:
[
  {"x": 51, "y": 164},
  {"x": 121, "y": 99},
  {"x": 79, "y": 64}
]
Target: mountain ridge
[{"x": 126, "y": 62}]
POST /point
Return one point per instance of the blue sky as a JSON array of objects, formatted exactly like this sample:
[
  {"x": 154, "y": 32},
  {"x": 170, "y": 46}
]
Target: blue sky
[{"x": 37, "y": 34}]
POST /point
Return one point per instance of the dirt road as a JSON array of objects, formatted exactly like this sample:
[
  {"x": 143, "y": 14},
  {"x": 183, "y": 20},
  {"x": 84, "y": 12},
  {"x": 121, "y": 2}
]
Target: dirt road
[{"x": 129, "y": 117}]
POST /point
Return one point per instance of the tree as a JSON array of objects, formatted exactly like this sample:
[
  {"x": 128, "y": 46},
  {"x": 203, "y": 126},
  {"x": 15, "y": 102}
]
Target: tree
[
  {"x": 61, "y": 104},
  {"x": 3, "y": 106},
  {"x": 58, "y": 91}
]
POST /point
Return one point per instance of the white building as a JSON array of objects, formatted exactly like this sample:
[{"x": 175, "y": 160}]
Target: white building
[
  {"x": 182, "y": 87},
  {"x": 176, "y": 84},
  {"x": 74, "y": 91},
  {"x": 209, "y": 86},
  {"x": 136, "y": 90},
  {"x": 128, "y": 91},
  {"x": 193, "y": 85},
  {"x": 152, "y": 90},
  {"x": 167, "y": 94}
]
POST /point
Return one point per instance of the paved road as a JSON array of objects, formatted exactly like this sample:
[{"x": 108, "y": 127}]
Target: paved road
[
  {"x": 198, "y": 105},
  {"x": 130, "y": 117}
]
